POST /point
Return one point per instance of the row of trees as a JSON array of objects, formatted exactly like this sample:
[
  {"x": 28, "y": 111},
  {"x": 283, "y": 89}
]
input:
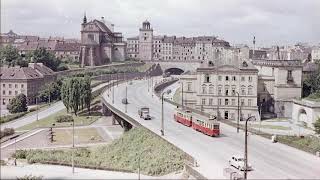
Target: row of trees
[
  {"x": 76, "y": 93},
  {"x": 10, "y": 56},
  {"x": 18, "y": 104}
]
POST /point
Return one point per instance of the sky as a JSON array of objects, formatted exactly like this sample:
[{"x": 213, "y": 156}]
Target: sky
[{"x": 273, "y": 22}]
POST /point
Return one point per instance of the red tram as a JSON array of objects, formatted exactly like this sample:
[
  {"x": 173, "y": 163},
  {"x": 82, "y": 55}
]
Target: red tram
[{"x": 209, "y": 126}]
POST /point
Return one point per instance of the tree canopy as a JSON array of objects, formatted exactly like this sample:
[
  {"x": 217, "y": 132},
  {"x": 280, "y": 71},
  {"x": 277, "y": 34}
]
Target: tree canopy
[
  {"x": 9, "y": 55},
  {"x": 18, "y": 104}
]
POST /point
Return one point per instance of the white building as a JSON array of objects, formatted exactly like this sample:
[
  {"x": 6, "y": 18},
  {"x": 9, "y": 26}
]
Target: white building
[{"x": 215, "y": 87}]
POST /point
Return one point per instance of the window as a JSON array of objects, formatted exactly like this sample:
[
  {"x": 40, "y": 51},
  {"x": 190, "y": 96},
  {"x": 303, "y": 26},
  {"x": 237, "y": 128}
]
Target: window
[
  {"x": 204, "y": 90},
  {"x": 91, "y": 36},
  {"x": 210, "y": 101},
  {"x": 3, "y": 101},
  {"x": 250, "y": 79},
  {"x": 226, "y": 102},
  {"x": 207, "y": 78},
  {"x": 10, "y": 85},
  {"x": 210, "y": 90},
  {"x": 233, "y": 102},
  {"x": 249, "y": 102},
  {"x": 219, "y": 90},
  {"x": 219, "y": 102},
  {"x": 219, "y": 78},
  {"x": 15, "y": 92},
  {"x": 227, "y": 92},
  {"x": 203, "y": 101},
  {"x": 3, "y": 92},
  {"x": 242, "y": 102},
  {"x": 226, "y": 115},
  {"x": 250, "y": 91},
  {"x": 234, "y": 78},
  {"x": 243, "y": 78},
  {"x": 227, "y": 78},
  {"x": 243, "y": 90},
  {"x": 3, "y": 85},
  {"x": 10, "y": 92},
  {"x": 22, "y": 85},
  {"x": 289, "y": 76},
  {"x": 189, "y": 86}
]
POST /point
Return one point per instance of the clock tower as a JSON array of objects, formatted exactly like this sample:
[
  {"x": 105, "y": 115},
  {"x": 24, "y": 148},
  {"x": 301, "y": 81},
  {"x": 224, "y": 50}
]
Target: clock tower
[{"x": 145, "y": 42}]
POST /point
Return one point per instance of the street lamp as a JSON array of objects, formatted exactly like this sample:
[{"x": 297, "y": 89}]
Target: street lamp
[
  {"x": 182, "y": 95},
  {"x": 139, "y": 157},
  {"x": 73, "y": 146},
  {"x": 238, "y": 112},
  {"x": 162, "y": 121},
  {"x": 246, "y": 148},
  {"x": 37, "y": 108},
  {"x": 113, "y": 92}
]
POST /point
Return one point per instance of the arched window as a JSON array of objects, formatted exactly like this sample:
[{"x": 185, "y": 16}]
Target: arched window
[{"x": 207, "y": 78}]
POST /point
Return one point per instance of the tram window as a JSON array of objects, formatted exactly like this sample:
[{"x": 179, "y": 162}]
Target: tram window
[{"x": 216, "y": 127}]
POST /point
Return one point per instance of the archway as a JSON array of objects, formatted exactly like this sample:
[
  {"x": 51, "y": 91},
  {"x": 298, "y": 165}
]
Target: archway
[{"x": 174, "y": 71}]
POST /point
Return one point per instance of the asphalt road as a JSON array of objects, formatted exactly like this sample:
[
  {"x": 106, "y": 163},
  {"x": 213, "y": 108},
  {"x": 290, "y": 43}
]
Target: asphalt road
[
  {"x": 269, "y": 160},
  {"x": 54, "y": 108}
]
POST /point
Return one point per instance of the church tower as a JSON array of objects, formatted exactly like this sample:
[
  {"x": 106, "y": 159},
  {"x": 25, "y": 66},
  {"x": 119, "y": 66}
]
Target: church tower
[{"x": 145, "y": 42}]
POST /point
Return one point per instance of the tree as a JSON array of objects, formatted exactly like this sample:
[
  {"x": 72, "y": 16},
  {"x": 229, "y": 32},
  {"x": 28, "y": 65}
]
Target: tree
[
  {"x": 9, "y": 55},
  {"x": 51, "y": 92},
  {"x": 75, "y": 93},
  {"x": 18, "y": 104},
  {"x": 312, "y": 83},
  {"x": 41, "y": 55},
  {"x": 317, "y": 126}
]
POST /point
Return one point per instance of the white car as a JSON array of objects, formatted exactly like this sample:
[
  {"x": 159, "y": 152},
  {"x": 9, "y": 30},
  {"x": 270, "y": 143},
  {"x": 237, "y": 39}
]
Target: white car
[{"x": 238, "y": 162}]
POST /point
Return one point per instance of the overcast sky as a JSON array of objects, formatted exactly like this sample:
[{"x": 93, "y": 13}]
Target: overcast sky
[{"x": 237, "y": 21}]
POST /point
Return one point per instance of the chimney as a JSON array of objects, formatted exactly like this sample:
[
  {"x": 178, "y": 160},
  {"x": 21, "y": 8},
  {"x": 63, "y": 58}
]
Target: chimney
[
  {"x": 112, "y": 27},
  {"x": 102, "y": 20}
]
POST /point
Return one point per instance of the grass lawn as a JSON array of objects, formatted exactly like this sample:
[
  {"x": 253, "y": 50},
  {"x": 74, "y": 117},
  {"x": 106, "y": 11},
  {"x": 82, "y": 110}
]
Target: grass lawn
[
  {"x": 267, "y": 126},
  {"x": 158, "y": 157},
  {"x": 308, "y": 143},
  {"x": 48, "y": 121},
  {"x": 82, "y": 135}
]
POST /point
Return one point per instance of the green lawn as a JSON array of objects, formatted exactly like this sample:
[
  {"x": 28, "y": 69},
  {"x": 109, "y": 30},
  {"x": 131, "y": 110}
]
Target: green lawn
[
  {"x": 158, "y": 157},
  {"x": 267, "y": 126}
]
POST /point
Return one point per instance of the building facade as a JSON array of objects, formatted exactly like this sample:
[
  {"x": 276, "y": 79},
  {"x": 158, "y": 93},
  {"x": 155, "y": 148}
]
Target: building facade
[
  {"x": 280, "y": 82},
  {"x": 148, "y": 47},
  {"x": 27, "y": 80},
  {"x": 100, "y": 44},
  {"x": 225, "y": 89}
]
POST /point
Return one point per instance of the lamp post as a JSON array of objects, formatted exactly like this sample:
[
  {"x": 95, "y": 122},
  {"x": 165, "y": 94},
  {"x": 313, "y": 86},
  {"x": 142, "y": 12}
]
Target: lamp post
[
  {"x": 37, "y": 108},
  {"x": 73, "y": 146},
  {"x": 126, "y": 104},
  {"x": 113, "y": 92},
  {"x": 162, "y": 121},
  {"x": 182, "y": 95},
  {"x": 238, "y": 119},
  {"x": 139, "y": 157},
  {"x": 246, "y": 148}
]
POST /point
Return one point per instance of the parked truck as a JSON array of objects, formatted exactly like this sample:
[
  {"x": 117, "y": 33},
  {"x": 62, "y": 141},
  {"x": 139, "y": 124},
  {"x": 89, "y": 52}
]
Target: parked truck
[{"x": 144, "y": 113}]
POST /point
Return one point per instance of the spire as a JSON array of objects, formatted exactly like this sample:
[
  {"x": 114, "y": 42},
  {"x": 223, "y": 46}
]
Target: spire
[
  {"x": 84, "y": 18},
  {"x": 254, "y": 46}
]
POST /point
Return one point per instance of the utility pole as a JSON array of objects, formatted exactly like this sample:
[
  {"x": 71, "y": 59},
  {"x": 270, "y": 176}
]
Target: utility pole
[
  {"x": 246, "y": 149},
  {"x": 113, "y": 92},
  {"x": 238, "y": 119},
  {"x": 73, "y": 146},
  {"x": 126, "y": 99},
  {"x": 37, "y": 108},
  {"x": 182, "y": 95},
  {"x": 162, "y": 121}
]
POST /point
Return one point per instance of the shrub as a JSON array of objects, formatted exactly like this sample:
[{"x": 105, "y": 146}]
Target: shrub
[
  {"x": 32, "y": 109},
  {"x": 20, "y": 154},
  {"x": 11, "y": 117},
  {"x": 18, "y": 104},
  {"x": 30, "y": 177},
  {"x": 6, "y": 132},
  {"x": 64, "y": 118},
  {"x": 317, "y": 126}
]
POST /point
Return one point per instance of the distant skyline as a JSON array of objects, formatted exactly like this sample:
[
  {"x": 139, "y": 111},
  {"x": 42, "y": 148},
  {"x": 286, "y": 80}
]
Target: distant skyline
[{"x": 273, "y": 22}]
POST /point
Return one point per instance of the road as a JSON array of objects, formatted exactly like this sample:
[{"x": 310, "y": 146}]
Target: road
[
  {"x": 54, "y": 108},
  {"x": 269, "y": 160}
]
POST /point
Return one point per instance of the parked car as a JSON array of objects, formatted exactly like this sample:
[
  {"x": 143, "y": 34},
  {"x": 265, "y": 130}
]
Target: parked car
[{"x": 238, "y": 162}]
